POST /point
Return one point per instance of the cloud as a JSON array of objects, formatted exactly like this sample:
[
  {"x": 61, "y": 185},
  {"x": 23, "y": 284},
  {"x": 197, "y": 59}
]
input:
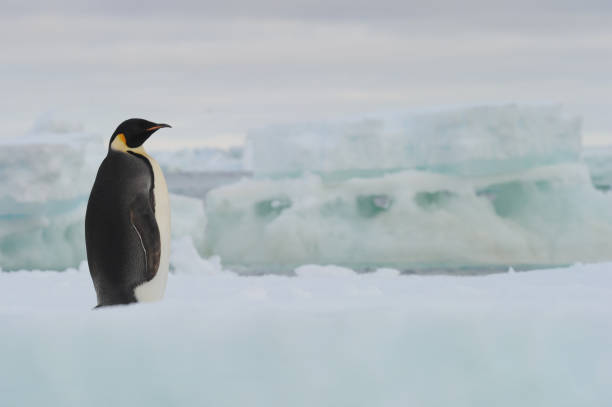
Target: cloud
[
  {"x": 315, "y": 9},
  {"x": 214, "y": 71}
]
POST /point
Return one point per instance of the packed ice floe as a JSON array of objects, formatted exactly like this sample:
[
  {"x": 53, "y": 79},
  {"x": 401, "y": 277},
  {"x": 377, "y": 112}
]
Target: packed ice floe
[
  {"x": 484, "y": 186},
  {"x": 488, "y": 187},
  {"x": 547, "y": 215}
]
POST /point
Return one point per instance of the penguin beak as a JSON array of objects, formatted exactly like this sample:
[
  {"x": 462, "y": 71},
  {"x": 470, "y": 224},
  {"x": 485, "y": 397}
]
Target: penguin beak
[
  {"x": 158, "y": 126},
  {"x": 149, "y": 132}
]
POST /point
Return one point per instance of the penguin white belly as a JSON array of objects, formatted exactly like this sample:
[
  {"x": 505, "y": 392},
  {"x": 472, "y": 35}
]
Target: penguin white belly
[{"x": 154, "y": 289}]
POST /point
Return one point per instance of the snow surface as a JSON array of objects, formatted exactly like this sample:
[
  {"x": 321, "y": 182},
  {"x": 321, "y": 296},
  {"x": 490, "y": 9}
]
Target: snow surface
[{"x": 328, "y": 337}]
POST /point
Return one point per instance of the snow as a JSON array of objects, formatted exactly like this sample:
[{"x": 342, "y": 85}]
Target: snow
[{"x": 325, "y": 337}]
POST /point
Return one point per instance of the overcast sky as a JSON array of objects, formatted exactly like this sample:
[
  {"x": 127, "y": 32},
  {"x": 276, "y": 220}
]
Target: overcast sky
[{"x": 215, "y": 69}]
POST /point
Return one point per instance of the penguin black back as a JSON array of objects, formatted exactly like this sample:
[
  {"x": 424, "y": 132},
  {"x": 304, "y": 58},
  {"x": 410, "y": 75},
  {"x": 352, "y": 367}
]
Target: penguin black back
[{"x": 121, "y": 231}]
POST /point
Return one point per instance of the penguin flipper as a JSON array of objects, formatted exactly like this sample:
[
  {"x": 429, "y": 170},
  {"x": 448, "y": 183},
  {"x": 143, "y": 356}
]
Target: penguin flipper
[{"x": 143, "y": 220}]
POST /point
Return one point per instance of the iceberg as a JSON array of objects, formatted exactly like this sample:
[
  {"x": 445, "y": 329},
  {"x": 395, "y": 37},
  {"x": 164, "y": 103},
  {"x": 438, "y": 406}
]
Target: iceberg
[{"x": 481, "y": 187}]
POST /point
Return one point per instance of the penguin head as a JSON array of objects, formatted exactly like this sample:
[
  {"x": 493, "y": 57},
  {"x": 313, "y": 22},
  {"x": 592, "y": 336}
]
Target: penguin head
[{"x": 132, "y": 133}]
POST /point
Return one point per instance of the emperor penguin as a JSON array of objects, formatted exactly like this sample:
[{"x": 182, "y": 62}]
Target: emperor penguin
[{"x": 127, "y": 224}]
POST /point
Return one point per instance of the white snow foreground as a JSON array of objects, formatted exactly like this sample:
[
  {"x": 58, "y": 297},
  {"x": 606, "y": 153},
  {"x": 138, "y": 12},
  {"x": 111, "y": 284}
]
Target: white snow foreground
[{"x": 328, "y": 337}]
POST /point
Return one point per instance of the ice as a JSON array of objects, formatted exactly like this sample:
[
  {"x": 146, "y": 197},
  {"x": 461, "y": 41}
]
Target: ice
[
  {"x": 543, "y": 216},
  {"x": 52, "y": 162},
  {"x": 45, "y": 180},
  {"x": 201, "y": 160},
  {"x": 599, "y": 161},
  {"x": 485, "y": 140},
  {"x": 487, "y": 186},
  {"x": 184, "y": 258},
  {"x": 188, "y": 218},
  {"x": 328, "y": 337}
]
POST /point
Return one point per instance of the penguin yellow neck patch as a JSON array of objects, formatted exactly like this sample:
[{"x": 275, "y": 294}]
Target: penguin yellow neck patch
[{"x": 120, "y": 144}]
